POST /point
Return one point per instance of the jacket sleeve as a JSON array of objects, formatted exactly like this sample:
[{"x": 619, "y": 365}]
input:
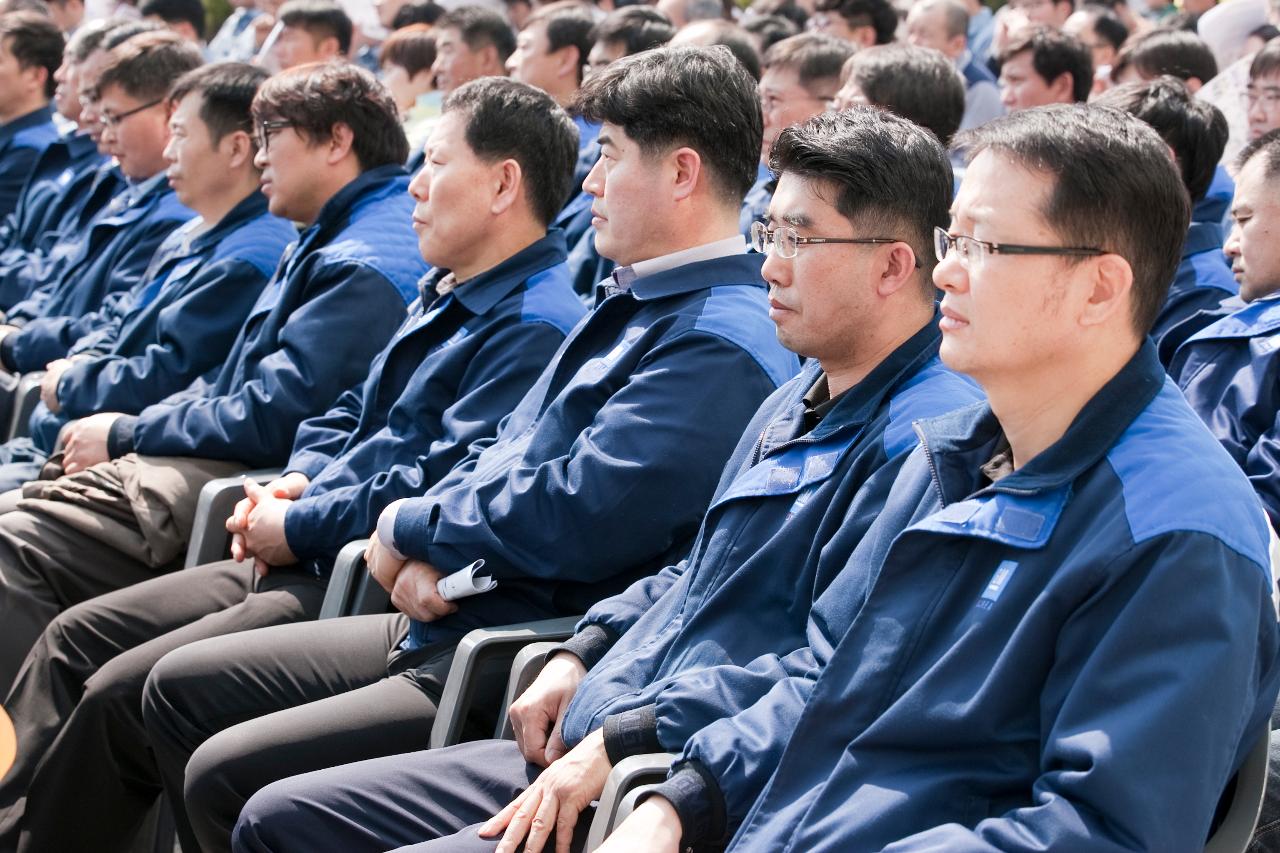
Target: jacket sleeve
[
  {"x": 18, "y": 163},
  {"x": 1262, "y": 464},
  {"x": 194, "y": 333},
  {"x": 496, "y": 378},
  {"x": 44, "y": 339},
  {"x": 662, "y": 434},
  {"x": 321, "y": 438},
  {"x": 1113, "y": 708},
  {"x": 322, "y": 350}
]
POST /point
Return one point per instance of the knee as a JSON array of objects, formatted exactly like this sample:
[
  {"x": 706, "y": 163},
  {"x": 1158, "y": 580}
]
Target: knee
[
  {"x": 114, "y": 690},
  {"x": 262, "y": 818},
  {"x": 164, "y": 704},
  {"x": 213, "y": 773}
]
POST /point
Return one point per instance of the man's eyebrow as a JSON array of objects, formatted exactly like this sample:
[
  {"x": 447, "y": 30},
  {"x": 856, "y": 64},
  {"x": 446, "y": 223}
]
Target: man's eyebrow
[
  {"x": 604, "y": 139},
  {"x": 796, "y": 220}
]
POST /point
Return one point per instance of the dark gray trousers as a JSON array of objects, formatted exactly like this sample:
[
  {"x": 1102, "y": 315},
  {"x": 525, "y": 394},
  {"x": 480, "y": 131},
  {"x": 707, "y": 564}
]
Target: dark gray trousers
[
  {"x": 230, "y": 715},
  {"x": 421, "y": 801},
  {"x": 76, "y": 703}
]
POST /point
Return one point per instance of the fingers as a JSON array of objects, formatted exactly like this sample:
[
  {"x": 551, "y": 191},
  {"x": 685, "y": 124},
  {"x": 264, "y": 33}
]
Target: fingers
[
  {"x": 260, "y": 566},
  {"x": 532, "y": 737},
  {"x": 566, "y": 820},
  {"x": 254, "y": 491},
  {"x": 498, "y": 822},
  {"x": 238, "y": 551},
  {"x": 544, "y": 820},
  {"x": 555, "y": 743}
]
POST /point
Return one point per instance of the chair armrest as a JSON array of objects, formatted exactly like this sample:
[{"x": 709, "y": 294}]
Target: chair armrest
[
  {"x": 25, "y": 398},
  {"x": 1236, "y": 830},
  {"x": 348, "y": 571},
  {"x": 481, "y": 664},
  {"x": 524, "y": 669},
  {"x": 622, "y": 788},
  {"x": 209, "y": 538}
]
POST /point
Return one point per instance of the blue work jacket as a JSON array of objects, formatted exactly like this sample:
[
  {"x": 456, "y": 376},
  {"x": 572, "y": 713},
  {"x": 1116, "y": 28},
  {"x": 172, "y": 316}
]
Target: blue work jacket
[
  {"x": 602, "y": 473},
  {"x": 111, "y": 256},
  {"x": 332, "y": 305},
  {"x": 1076, "y": 657},
  {"x": 789, "y": 509},
  {"x": 1203, "y": 280},
  {"x": 181, "y": 321},
  {"x": 1230, "y": 374},
  {"x": 457, "y": 366},
  {"x": 51, "y": 176},
  {"x": 22, "y": 141}
]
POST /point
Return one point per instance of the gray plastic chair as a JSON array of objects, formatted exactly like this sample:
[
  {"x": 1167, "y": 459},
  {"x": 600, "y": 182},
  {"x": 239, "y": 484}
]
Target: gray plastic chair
[
  {"x": 26, "y": 396},
  {"x": 629, "y": 779},
  {"x": 210, "y": 540},
  {"x": 1236, "y": 829}
]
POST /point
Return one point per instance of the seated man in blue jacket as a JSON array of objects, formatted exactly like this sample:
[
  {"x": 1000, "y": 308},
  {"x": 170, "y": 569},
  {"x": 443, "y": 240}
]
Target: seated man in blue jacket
[
  {"x": 1196, "y": 132},
  {"x": 810, "y": 473},
  {"x": 64, "y": 158},
  {"x": 598, "y": 477},
  {"x": 329, "y": 145},
  {"x": 492, "y": 314},
  {"x": 1013, "y": 645},
  {"x": 115, "y": 252},
  {"x": 30, "y": 53},
  {"x": 1228, "y": 371},
  {"x": 179, "y": 322}
]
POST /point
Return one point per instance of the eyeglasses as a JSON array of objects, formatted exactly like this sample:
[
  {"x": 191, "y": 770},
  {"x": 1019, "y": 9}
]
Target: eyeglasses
[
  {"x": 109, "y": 121},
  {"x": 1268, "y": 97},
  {"x": 971, "y": 248},
  {"x": 262, "y": 133},
  {"x": 785, "y": 242}
]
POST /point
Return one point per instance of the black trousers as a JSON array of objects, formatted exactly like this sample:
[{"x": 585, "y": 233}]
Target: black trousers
[
  {"x": 76, "y": 703},
  {"x": 230, "y": 715},
  {"x": 422, "y": 801}
]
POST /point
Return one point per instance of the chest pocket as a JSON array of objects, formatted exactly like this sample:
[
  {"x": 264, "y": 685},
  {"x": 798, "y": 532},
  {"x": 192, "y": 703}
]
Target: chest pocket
[{"x": 799, "y": 470}]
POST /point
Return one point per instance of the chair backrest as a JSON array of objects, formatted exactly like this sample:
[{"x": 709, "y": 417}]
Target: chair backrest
[{"x": 1236, "y": 829}]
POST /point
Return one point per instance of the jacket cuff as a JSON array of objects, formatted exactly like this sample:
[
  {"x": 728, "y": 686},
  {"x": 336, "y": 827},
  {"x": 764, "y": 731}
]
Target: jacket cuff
[
  {"x": 387, "y": 528},
  {"x": 698, "y": 802},
  {"x": 633, "y": 732},
  {"x": 120, "y": 436},
  {"x": 589, "y": 644},
  {"x": 7, "y": 345}
]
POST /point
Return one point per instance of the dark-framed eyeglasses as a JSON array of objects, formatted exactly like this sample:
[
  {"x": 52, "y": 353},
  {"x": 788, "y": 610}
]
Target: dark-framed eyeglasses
[
  {"x": 785, "y": 242},
  {"x": 972, "y": 249},
  {"x": 263, "y": 130},
  {"x": 110, "y": 121}
]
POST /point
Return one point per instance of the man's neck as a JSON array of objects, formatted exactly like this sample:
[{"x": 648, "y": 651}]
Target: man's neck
[
  {"x": 214, "y": 210},
  {"x": 502, "y": 242},
  {"x": 338, "y": 180},
  {"x": 19, "y": 110},
  {"x": 1035, "y": 409},
  {"x": 874, "y": 344},
  {"x": 564, "y": 94},
  {"x": 692, "y": 232}
]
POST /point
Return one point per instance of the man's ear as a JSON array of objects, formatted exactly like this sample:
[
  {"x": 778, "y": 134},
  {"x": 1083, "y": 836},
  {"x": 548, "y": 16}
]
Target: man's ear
[
  {"x": 568, "y": 60},
  {"x": 1110, "y": 290},
  {"x": 1063, "y": 87},
  {"x": 240, "y": 147},
  {"x": 687, "y": 169},
  {"x": 508, "y": 179},
  {"x": 898, "y": 268},
  {"x": 329, "y": 48},
  {"x": 341, "y": 143}
]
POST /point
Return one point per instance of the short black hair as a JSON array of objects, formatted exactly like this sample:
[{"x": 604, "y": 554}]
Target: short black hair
[
  {"x": 731, "y": 35},
  {"x": 568, "y": 23},
  {"x": 35, "y": 42},
  {"x": 1266, "y": 32},
  {"x": 1114, "y": 187},
  {"x": 1195, "y": 129},
  {"x": 1268, "y": 147},
  {"x": 700, "y": 97},
  {"x": 321, "y": 19},
  {"x": 789, "y": 9},
  {"x": 227, "y": 90},
  {"x": 125, "y": 30},
  {"x": 917, "y": 83},
  {"x": 146, "y": 65},
  {"x": 1178, "y": 53},
  {"x": 413, "y": 48},
  {"x": 480, "y": 28},
  {"x": 889, "y": 175},
  {"x": 316, "y": 96},
  {"x": 1054, "y": 53},
  {"x": 816, "y": 58},
  {"x": 1107, "y": 25},
  {"x": 510, "y": 120},
  {"x": 877, "y": 14},
  {"x": 417, "y": 12},
  {"x": 176, "y": 11},
  {"x": 636, "y": 28},
  {"x": 1266, "y": 62},
  {"x": 770, "y": 29}
]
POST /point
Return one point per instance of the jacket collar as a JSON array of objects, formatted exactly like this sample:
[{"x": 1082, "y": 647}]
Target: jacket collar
[
  {"x": 341, "y": 205},
  {"x": 958, "y": 443},
  {"x": 480, "y": 293},
  {"x": 44, "y": 115},
  {"x": 688, "y": 278},
  {"x": 249, "y": 208}
]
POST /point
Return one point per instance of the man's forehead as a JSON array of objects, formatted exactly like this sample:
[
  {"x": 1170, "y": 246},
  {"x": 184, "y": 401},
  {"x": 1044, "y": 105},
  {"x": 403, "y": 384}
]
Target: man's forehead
[{"x": 800, "y": 201}]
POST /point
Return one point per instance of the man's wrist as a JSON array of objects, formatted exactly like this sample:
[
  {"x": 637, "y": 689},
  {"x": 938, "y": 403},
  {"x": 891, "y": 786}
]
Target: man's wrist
[{"x": 120, "y": 436}]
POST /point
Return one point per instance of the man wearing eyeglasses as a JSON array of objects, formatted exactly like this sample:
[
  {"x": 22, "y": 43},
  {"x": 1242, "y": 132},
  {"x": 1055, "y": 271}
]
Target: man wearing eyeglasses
[
  {"x": 1063, "y": 581},
  {"x": 848, "y": 251},
  {"x": 800, "y": 77},
  {"x": 330, "y": 149},
  {"x": 111, "y": 255}
]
